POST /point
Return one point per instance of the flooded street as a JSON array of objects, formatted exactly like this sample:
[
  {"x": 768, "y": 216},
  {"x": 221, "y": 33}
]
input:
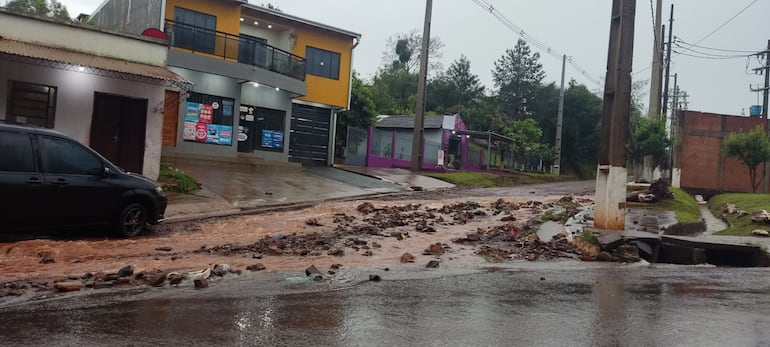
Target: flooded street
[{"x": 560, "y": 303}]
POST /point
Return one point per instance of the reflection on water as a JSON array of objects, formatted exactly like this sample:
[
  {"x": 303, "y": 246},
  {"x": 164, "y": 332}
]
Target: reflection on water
[{"x": 599, "y": 307}]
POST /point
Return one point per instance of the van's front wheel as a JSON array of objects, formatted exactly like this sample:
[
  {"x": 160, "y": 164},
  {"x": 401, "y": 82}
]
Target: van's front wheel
[{"x": 132, "y": 220}]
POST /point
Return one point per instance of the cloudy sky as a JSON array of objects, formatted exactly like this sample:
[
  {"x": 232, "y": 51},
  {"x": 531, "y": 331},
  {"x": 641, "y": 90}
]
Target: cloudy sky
[{"x": 717, "y": 77}]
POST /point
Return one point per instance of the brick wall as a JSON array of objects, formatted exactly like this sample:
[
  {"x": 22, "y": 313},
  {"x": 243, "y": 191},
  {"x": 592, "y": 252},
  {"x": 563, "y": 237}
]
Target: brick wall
[{"x": 698, "y": 143}]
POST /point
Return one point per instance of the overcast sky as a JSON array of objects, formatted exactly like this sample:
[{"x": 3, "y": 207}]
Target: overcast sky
[{"x": 579, "y": 29}]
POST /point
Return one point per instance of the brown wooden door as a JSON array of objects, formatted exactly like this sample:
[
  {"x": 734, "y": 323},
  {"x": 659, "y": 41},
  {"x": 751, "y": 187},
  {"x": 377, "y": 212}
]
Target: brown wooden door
[
  {"x": 118, "y": 130},
  {"x": 170, "y": 118}
]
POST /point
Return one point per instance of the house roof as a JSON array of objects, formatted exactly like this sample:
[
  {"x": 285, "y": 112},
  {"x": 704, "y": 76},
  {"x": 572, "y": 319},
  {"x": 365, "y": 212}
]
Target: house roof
[
  {"x": 29, "y": 50},
  {"x": 407, "y": 122},
  {"x": 279, "y": 14}
]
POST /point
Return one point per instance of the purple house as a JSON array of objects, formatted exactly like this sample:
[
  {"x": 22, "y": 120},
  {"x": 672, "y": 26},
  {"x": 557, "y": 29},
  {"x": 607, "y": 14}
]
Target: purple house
[{"x": 389, "y": 144}]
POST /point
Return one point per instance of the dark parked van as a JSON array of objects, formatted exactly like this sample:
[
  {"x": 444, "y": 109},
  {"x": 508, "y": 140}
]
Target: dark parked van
[{"x": 49, "y": 180}]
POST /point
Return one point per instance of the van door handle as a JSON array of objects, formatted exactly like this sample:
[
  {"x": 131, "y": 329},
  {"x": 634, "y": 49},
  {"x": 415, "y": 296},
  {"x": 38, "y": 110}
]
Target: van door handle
[
  {"x": 59, "y": 182},
  {"x": 34, "y": 180}
]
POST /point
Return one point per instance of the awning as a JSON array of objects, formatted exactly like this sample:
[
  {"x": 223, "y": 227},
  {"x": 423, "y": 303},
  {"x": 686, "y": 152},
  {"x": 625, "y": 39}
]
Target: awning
[{"x": 84, "y": 62}]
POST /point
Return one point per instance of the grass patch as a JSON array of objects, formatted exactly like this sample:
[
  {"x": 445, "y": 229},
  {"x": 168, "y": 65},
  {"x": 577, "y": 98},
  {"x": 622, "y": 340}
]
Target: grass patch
[
  {"x": 175, "y": 180},
  {"x": 497, "y": 178},
  {"x": 683, "y": 205},
  {"x": 740, "y": 226},
  {"x": 588, "y": 236}
]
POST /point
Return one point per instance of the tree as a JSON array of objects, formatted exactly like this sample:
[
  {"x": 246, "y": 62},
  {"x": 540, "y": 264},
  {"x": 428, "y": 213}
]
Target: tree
[
  {"x": 454, "y": 90},
  {"x": 403, "y": 51},
  {"x": 362, "y": 112},
  {"x": 649, "y": 138},
  {"x": 517, "y": 76},
  {"x": 752, "y": 148},
  {"x": 43, "y": 8}
]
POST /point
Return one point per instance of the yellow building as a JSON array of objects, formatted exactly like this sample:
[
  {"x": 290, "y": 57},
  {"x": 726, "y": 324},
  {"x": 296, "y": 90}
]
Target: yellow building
[{"x": 266, "y": 84}]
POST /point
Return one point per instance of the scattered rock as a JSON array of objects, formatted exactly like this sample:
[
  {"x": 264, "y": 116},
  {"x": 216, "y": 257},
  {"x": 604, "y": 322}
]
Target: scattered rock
[
  {"x": 256, "y": 256},
  {"x": 763, "y": 233},
  {"x": 47, "y": 260},
  {"x": 375, "y": 278},
  {"x": 122, "y": 280},
  {"x": 220, "y": 269},
  {"x": 542, "y": 278},
  {"x": 174, "y": 278},
  {"x": 628, "y": 253},
  {"x": 312, "y": 270},
  {"x": 436, "y": 249},
  {"x": 728, "y": 208},
  {"x": 157, "y": 279},
  {"x": 700, "y": 201},
  {"x": 234, "y": 271},
  {"x": 742, "y": 213},
  {"x": 407, "y": 258},
  {"x": 140, "y": 275},
  {"x": 69, "y": 286},
  {"x": 256, "y": 267},
  {"x": 432, "y": 264},
  {"x": 339, "y": 252},
  {"x": 336, "y": 266},
  {"x": 111, "y": 277},
  {"x": 760, "y": 216},
  {"x": 313, "y": 222},
  {"x": 126, "y": 271},
  {"x": 367, "y": 254},
  {"x": 164, "y": 249},
  {"x": 508, "y": 218},
  {"x": 201, "y": 283},
  {"x": 604, "y": 256},
  {"x": 366, "y": 208},
  {"x": 103, "y": 284}
]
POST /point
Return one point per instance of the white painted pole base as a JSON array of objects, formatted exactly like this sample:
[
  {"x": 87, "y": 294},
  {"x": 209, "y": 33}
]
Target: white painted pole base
[
  {"x": 676, "y": 177},
  {"x": 610, "y": 199}
]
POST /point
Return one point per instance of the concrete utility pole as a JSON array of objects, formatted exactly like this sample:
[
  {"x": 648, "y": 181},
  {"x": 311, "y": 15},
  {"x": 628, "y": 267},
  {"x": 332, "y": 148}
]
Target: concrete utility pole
[
  {"x": 765, "y": 90},
  {"x": 419, "y": 115},
  {"x": 560, "y": 118},
  {"x": 668, "y": 60},
  {"x": 657, "y": 67},
  {"x": 610, "y": 210}
]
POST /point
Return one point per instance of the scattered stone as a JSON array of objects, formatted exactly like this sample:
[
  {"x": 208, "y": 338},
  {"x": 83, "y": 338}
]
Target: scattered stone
[
  {"x": 386, "y": 269},
  {"x": 432, "y": 264},
  {"x": 78, "y": 260},
  {"x": 140, "y": 275},
  {"x": 47, "y": 260},
  {"x": 366, "y": 208},
  {"x": 376, "y": 245},
  {"x": 87, "y": 275},
  {"x": 336, "y": 266},
  {"x": 331, "y": 272},
  {"x": 436, "y": 249},
  {"x": 699, "y": 199},
  {"x": 89, "y": 283},
  {"x": 728, "y": 208},
  {"x": 312, "y": 270},
  {"x": 220, "y": 269},
  {"x": 174, "y": 278},
  {"x": 111, "y": 277},
  {"x": 122, "y": 280},
  {"x": 256, "y": 267},
  {"x": 157, "y": 279},
  {"x": 508, "y": 218},
  {"x": 339, "y": 252},
  {"x": 126, "y": 271},
  {"x": 313, "y": 222},
  {"x": 256, "y": 256},
  {"x": 407, "y": 258},
  {"x": 532, "y": 256},
  {"x": 760, "y": 216},
  {"x": 742, "y": 213},
  {"x": 69, "y": 286},
  {"x": 542, "y": 278},
  {"x": 375, "y": 278},
  {"x": 628, "y": 253},
  {"x": 164, "y": 249},
  {"x": 103, "y": 284},
  {"x": 234, "y": 271},
  {"x": 367, "y": 254},
  {"x": 604, "y": 256},
  {"x": 763, "y": 233},
  {"x": 201, "y": 283}
]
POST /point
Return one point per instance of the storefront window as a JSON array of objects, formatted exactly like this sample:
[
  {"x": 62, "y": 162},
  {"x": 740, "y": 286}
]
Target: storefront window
[
  {"x": 209, "y": 119},
  {"x": 261, "y": 129}
]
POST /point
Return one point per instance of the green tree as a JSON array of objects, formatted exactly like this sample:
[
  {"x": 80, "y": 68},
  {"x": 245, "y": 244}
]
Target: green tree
[
  {"x": 52, "y": 9},
  {"x": 394, "y": 90},
  {"x": 454, "y": 90},
  {"x": 362, "y": 112},
  {"x": 517, "y": 76},
  {"x": 649, "y": 138},
  {"x": 752, "y": 148},
  {"x": 403, "y": 51},
  {"x": 580, "y": 130}
]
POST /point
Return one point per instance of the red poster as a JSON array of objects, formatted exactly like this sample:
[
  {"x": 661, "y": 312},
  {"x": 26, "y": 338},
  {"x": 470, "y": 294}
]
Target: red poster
[
  {"x": 201, "y": 130},
  {"x": 206, "y": 114}
]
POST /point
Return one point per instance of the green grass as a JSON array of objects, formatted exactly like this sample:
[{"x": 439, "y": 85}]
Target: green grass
[
  {"x": 742, "y": 226},
  {"x": 497, "y": 178},
  {"x": 175, "y": 180},
  {"x": 683, "y": 205}
]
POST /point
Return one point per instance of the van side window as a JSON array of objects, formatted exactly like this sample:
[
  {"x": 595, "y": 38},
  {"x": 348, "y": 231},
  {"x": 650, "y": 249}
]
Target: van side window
[
  {"x": 16, "y": 152},
  {"x": 61, "y": 156}
]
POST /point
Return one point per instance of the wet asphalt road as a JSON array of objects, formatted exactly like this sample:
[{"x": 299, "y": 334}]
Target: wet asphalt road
[{"x": 555, "y": 304}]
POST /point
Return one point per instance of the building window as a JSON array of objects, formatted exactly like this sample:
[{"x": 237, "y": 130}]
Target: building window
[
  {"x": 322, "y": 63},
  {"x": 209, "y": 119},
  {"x": 194, "y": 30},
  {"x": 17, "y": 155},
  {"x": 31, "y": 103},
  {"x": 265, "y": 126}
]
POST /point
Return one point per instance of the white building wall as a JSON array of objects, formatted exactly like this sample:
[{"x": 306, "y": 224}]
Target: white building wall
[{"x": 75, "y": 99}]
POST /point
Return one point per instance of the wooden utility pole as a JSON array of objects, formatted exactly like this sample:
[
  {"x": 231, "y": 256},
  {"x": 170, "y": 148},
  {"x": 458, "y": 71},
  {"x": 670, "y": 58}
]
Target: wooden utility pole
[
  {"x": 668, "y": 60},
  {"x": 610, "y": 208},
  {"x": 560, "y": 118},
  {"x": 419, "y": 115},
  {"x": 657, "y": 67}
]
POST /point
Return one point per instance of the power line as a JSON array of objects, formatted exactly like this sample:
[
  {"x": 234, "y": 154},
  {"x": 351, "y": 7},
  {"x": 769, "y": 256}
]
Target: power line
[
  {"x": 679, "y": 40},
  {"x": 542, "y": 46},
  {"x": 710, "y": 57},
  {"x": 693, "y": 51}
]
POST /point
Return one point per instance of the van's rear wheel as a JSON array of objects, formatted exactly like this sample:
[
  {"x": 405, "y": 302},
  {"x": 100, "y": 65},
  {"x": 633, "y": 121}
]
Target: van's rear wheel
[{"x": 132, "y": 220}]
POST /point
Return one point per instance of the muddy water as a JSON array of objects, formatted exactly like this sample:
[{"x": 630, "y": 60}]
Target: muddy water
[
  {"x": 555, "y": 305},
  {"x": 76, "y": 256}
]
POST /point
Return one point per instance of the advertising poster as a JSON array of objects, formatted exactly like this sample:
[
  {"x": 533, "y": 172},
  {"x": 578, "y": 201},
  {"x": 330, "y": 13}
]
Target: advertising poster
[
  {"x": 277, "y": 139},
  {"x": 225, "y": 135},
  {"x": 243, "y": 133},
  {"x": 191, "y": 112},
  {"x": 201, "y": 132},
  {"x": 267, "y": 138},
  {"x": 227, "y": 107},
  {"x": 212, "y": 133},
  {"x": 189, "y": 131},
  {"x": 206, "y": 114}
]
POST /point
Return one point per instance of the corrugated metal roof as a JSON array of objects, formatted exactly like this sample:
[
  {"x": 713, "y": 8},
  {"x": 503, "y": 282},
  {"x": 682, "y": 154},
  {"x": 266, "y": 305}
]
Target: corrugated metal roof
[
  {"x": 407, "y": 122},
  {"x": 60, "y": 55}
]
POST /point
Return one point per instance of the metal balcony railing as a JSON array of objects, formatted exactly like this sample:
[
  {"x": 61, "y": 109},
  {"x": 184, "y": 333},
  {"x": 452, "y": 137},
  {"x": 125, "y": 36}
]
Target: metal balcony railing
[{"x": 246, "y": 50}]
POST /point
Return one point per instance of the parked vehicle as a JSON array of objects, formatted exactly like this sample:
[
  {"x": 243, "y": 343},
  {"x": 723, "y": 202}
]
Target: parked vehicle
[{"x": 49, "y": 180}]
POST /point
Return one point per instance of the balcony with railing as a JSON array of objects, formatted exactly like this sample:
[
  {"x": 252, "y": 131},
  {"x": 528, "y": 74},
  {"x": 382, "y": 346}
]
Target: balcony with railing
[{"x": 246, "y": 50}]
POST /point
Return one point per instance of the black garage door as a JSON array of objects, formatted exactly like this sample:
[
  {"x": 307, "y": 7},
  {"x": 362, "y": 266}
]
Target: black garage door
[{"x": 310, "y": 129}]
